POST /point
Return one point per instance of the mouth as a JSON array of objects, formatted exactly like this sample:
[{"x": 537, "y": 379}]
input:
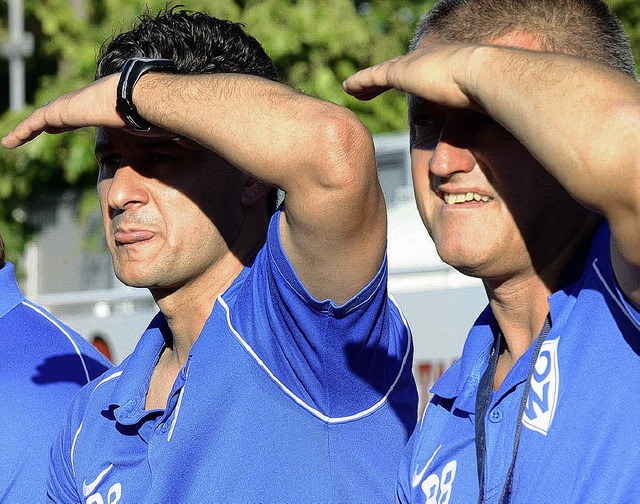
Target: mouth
[
  {"x": 466, "y": 197},
  {"x": 130, "y": 237}
]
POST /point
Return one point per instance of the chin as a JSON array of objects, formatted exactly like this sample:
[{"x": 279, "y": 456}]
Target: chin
[
  {"x": 134, "y": 282},
  {"x": 132, "y": 278},
  {"x": 465, "y": 261}
]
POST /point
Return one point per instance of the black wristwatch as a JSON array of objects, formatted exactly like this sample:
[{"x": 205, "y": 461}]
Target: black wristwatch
[{"x": 133, "y": 69}]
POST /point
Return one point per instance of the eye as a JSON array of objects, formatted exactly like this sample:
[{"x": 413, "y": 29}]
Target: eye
[
  {"x": 425, "y": 129},
  {"x": 158, "y": 158},
  {"x": 426, "y": 121},
  {"x": 107, "y": 165}
]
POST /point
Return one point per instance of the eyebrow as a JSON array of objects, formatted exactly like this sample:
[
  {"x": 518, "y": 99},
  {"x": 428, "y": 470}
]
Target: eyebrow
[{"x": 149, "y": 144}]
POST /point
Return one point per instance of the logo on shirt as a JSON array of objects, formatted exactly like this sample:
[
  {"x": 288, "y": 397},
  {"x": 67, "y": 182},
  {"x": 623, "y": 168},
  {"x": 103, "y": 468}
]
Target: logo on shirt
[
  {"x": 417, "y": 476},
  {"x": 543, "y": 396},
  {"x": 113, "y": 494},
  {"x": 437, "y": 486},
  {"x": 88, "y": 489}
]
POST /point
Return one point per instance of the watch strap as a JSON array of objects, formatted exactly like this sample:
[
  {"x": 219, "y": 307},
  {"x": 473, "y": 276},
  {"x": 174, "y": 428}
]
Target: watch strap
[{"x": 133, "y": 69}]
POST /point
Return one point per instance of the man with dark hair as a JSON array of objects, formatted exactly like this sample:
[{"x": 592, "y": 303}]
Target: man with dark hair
[
  {"x": 278, "y": 370},
  {"x": 524, "y": 118},
  {"x": 43, "y": 363}
]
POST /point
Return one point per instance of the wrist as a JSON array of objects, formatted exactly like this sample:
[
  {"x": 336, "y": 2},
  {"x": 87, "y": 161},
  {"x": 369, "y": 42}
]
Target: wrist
[{"x": 132, "y": 71}]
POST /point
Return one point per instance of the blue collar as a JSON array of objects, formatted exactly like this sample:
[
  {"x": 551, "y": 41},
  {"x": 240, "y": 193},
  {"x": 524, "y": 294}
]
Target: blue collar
[
  {"x": 128, "y": 397},
  {"x": 11, "y": 295},
  {"x": 461, "y": 380}
]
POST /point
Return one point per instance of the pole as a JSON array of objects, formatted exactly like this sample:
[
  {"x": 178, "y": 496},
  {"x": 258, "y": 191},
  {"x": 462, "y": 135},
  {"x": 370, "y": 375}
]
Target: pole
[{"x": 16, "y": 48}]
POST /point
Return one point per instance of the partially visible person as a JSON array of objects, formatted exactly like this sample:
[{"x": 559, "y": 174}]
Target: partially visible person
[
  {"x": 279, "y": 369},
  {"x": 525, "y": 140},
  {"x": 43, "y": 363}
]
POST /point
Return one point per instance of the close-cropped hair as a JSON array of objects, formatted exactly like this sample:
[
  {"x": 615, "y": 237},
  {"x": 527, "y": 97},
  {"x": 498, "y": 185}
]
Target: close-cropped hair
[
  {"x": 196, "y": 42},
  {"x": 583, "y": 28}
]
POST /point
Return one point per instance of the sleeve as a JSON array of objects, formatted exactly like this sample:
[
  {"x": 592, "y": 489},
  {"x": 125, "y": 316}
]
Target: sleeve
[
  {"x": 61, "y": 487},
  {"x": 633, "y": 313},
  {"x": 604, "y": 268},
  {"x": 94, "y": 362},
  {"x": 340, "y": 359},
  {"x": 405, "y": 470}
]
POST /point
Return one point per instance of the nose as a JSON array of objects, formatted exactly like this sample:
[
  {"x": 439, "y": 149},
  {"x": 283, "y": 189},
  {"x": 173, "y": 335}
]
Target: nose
[
  {"x": 452, "y": 154},
  {"x": 126, "y": 189}
]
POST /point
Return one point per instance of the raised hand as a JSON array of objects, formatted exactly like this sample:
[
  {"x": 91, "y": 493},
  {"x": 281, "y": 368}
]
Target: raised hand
[
  {"x": 92, "y": 105},
  {"x": 441, "y": 74}
]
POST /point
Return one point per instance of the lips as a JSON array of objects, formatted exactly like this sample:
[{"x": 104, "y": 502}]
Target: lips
[{"x": 132, "y": 236}]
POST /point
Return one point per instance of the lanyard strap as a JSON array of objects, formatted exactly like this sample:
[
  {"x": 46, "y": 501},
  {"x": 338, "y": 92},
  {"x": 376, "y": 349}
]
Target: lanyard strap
[{"x": 483, "y": 399}]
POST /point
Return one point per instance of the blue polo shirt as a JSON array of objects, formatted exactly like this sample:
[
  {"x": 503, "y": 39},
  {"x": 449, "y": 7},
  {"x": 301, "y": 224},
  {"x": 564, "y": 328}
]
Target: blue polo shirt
[
  {"x": 43, "y": 364},
  {"x": 579, "y": 434},
  {"x": 283, "y": 399}
]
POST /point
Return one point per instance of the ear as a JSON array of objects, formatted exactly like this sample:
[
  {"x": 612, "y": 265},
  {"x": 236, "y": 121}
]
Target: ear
[{"x": 254, "y": 191}]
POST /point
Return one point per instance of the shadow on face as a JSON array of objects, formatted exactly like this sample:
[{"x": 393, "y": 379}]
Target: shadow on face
[{"x": 203, "y": 177}]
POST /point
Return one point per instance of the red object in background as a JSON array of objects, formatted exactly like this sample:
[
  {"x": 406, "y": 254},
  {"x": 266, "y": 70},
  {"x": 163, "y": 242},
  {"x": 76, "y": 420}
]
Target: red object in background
[
  {"x": 427, "y": 372},
  {"x": 103, "y": 347}
]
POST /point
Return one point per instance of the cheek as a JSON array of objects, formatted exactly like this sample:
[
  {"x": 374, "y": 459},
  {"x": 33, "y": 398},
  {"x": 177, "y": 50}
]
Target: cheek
[
  {"x": 420, "y": 174},
  {"x": 420, "y": 159}
]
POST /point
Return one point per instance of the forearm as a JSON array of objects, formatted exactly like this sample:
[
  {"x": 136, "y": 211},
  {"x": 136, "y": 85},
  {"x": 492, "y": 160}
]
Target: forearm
[
  {"x": 578, "y": 118},
  {"x": 317, "y": 152},
  {"x": 320, "y": 154},
  {"x": 267, "y": 129}
]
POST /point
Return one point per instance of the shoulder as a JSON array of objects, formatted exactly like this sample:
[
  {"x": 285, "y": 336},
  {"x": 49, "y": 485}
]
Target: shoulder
[
  {"x": 61, "y": 350},
  {"x": 91, "y": 399}
]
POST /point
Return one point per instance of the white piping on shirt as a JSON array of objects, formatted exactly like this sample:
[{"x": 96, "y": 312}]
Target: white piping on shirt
[
  {"x": 298, "y": 400},
  {"x": 175, "y": 416},
  {"x": 614, "y": 297},
  {"x": 106, "y": 379},
  {"x": 73, "y": 447},
  {"x": 75, "y": 438},
  {"x": 37, "y": 309}
]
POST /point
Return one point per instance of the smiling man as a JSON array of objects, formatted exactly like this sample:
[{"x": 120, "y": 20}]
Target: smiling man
[
  {"x": 278, "y": 370},
  {"x": 524, "y": 118}
]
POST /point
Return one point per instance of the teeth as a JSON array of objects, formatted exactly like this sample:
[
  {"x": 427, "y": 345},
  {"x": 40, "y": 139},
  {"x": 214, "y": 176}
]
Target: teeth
[{"x": 451, "y": 199}]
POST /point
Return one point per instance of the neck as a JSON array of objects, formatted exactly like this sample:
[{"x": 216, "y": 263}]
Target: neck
[
  {"x": 520, "y": 311},
  {"x": 520, "y": 303},
  {"x": 188, "y": 307}
]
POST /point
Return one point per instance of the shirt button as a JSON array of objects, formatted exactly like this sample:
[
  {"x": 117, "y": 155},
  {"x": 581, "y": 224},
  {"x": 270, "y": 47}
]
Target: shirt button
[{"x": 496, "y": 415}]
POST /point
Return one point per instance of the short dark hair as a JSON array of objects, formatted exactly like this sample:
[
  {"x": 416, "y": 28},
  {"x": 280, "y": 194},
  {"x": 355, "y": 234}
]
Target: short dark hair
[
  {"x": 196, "y": 42},
  {"x": 583, "y": 28}
]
